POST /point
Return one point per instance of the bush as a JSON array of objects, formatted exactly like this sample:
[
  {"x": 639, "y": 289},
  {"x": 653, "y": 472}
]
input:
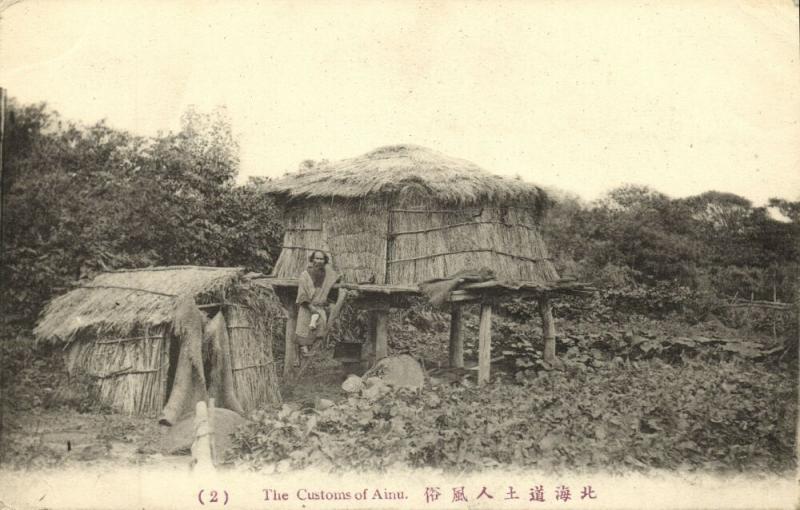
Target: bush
[{"x": 641, "y": 415}]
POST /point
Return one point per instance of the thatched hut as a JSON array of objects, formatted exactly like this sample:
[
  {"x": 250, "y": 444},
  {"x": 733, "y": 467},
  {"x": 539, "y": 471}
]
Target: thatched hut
[
  {"x": 404, "y": 214},
  {"x": 118, "y": 330}
]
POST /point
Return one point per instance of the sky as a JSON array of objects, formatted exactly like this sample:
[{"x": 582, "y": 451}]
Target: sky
[{"x": 584, "y": 96}]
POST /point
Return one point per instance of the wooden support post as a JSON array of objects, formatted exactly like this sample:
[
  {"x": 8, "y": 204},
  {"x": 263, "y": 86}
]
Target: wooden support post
[
  {"x": 548, "y": 330},
  {"x": 456, "y": 349},
  {"x": 368, "y": 347},
  {"x": 201, "y": 447},
  {"x": 381, "y": 319},
  {"x": 290, "y": 347},
  {"x": 485, "y": 343},
  {"x": 212, "y": 443}
]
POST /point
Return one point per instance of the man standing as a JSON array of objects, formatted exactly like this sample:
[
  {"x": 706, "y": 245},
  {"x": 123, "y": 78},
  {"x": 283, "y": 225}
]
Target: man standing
[{"x": 312, "y": 293}]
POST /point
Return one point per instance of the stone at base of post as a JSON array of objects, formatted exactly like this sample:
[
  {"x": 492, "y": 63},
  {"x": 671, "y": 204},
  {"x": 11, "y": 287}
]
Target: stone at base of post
[
  {"x": 485, "y": 343},
  {"x": 456, "y": 349}
]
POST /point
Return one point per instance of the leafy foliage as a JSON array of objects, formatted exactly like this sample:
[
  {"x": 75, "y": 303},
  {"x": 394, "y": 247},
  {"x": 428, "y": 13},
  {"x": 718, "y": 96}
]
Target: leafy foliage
[
  {"x": 633, "y": 416},
  {"x": 88, "y": 198},
  {"x": 635, "y": 235}
]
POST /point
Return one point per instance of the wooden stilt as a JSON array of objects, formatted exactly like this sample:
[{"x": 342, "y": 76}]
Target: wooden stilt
[
  {"x": 201, "y": 447},
  {"x": 212, "y": 443},
  {"x": 368, "y": 347},
  {"x": 485, "y": 343},
  {"x": 548, "y": 330},
  {"x": 381, "y": 318},
  {"x": 290, "y": 348},
  {"x": 456, "y": 349}
]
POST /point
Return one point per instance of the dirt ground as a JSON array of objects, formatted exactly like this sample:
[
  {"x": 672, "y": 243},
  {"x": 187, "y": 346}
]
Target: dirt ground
[
  {"x": 40, "y": 436},
  {"x": 33, "y": 440}
]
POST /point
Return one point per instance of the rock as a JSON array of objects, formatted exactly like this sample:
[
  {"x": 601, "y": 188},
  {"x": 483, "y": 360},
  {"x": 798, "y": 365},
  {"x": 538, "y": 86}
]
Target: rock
[
  {"x": 435, "y": 382},
  {"x": 636, "y": 340},
  {"x": 323, "y": 404},
  {"x": 373, "y": 381},
  {"x": 372, "y": 393},
  {"x": 401, "y": 371},
  {"x": 179, "y": 437},
  {"x": 352, "y": 384}
]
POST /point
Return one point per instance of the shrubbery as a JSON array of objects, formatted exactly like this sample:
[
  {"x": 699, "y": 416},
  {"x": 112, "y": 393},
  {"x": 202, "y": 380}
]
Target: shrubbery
[
  {"x": 82, "y": 199},
  {"x": 631, "y": 416}
]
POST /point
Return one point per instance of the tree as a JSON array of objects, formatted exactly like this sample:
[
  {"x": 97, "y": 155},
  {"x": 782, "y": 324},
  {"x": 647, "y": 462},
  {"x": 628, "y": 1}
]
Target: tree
[
  {"x": 788, "y": 208},
  {"x": 83, "y": 199},
  {"x": 720, "y": 211},
  {"x": 646, "y": 231}
]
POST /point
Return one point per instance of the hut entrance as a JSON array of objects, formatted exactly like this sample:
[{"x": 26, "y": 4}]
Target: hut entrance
[
  {"x": 229, "y": 363},
  {"x": 200, "y": 361}
]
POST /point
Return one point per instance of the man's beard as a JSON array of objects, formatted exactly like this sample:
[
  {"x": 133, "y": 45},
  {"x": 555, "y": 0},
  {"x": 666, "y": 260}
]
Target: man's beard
[{"x": 317, "y": 275}]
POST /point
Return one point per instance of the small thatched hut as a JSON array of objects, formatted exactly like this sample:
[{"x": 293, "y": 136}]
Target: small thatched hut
[
  {"x": 118, "y": 330},
  {"x": 404, "y": 214}
]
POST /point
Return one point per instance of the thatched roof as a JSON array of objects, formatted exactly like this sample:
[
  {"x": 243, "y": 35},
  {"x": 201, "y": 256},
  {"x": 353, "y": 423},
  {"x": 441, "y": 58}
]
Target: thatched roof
[
  {"x": 124, "y": 301},
  {"x": 403, "y": 169}
]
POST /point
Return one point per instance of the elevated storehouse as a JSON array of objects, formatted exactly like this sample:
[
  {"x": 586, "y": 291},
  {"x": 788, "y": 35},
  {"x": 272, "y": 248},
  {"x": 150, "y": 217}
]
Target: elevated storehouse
[{"x": 401, "y": 215}]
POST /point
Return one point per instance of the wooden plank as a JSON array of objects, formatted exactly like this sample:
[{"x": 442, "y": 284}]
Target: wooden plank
[
  {"x": 290, "y": 352},
  {"x": 463, "y": 296},
  {"x": 379, "y": 289},
  {"x": 381, "y": 320},
  {"x": 531, "y": 289},
  {"x": 485, "y": 343},
  {"x": 548, "y": 330},
  {"x": 558, "y": 285},
  {"x": 469, "y": 293},
  {"x": 456, "y": 348}
]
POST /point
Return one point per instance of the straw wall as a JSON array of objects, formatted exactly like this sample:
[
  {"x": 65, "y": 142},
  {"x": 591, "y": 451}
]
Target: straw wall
[
  {"x": 357, "y": 238},
  {"x": 130, "y": 372},
  {"x": 433, "y": 240},
  {"x": 426, "y": 239},
  {"x": 254, "y": 378},
  {"x": 304, "y": 232},
  {"x": 352, "y": 232}
]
